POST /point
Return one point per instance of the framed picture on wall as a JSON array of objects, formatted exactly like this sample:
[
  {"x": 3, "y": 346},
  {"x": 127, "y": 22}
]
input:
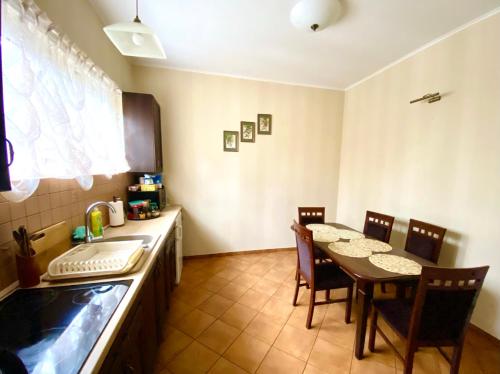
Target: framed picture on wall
[
  {"x": 247, "y": 131},
  {"x": 264, "y": 124},
  {"x": 230, "y": 141}
]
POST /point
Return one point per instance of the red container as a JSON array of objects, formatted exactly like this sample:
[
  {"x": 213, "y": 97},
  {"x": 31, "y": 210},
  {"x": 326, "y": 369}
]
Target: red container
[{"x": 28, "y": 272}]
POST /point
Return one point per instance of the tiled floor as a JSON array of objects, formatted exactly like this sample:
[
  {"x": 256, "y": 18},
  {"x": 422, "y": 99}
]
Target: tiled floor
[{"x": 234, "y": 314}]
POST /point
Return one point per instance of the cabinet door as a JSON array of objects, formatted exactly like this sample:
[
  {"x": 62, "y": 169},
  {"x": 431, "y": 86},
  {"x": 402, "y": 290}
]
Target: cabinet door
[
  {"x": 142, "y": 127},
  {"x": 132, "y": 353},
  {"x": 159, "y": 280},
  {"x": 150, "y": 332}
]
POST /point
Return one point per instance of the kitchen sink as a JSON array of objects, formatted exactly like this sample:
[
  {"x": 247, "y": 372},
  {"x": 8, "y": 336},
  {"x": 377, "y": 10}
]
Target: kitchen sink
[{"x": 148, "y": 241}]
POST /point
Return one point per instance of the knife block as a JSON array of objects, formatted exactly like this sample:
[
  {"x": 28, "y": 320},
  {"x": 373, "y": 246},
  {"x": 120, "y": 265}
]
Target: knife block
[{"x": 28, "y": 271}]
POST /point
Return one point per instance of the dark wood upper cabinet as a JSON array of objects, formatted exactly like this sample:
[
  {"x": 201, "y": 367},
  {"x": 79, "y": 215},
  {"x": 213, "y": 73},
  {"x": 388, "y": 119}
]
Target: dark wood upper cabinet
[
  {"x": 6, "y": 151},
  {"x": 142, "y": 123}
]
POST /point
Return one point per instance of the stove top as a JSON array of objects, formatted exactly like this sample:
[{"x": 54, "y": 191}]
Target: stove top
[{"x": 53, "y": 330}]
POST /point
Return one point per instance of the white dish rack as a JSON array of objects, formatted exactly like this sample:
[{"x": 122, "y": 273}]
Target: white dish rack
[{"x": 96, "y": 259}]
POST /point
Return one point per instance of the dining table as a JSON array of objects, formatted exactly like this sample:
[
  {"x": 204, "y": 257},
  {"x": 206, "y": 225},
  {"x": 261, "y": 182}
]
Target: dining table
[{"x": 366, "y": 276}]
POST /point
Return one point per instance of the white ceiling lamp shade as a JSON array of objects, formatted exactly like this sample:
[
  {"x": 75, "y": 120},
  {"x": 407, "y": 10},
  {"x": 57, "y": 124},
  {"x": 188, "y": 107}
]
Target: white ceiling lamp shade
[
  {"x": 314, "y": 15},
  {"x": 135, "y": 38}
]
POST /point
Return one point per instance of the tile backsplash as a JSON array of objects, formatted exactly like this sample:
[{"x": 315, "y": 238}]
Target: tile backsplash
[{"x": 54, "y": 201}]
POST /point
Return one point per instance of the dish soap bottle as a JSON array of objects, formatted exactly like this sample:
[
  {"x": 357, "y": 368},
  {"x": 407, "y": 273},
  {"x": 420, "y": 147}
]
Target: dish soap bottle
[{"x": 96, "y": 221}]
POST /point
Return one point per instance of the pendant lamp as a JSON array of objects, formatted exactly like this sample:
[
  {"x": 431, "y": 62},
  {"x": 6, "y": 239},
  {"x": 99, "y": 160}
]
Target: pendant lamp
[{"x": 135, "y": 38}]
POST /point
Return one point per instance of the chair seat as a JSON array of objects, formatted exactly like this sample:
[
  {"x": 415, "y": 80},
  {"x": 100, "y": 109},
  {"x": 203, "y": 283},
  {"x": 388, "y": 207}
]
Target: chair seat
[
  {"x": 329, "y": 276},
  {"x": 319, "y": 254}
]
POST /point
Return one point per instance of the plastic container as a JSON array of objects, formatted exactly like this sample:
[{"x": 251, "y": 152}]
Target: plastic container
[{"x": 96, "y": 223}]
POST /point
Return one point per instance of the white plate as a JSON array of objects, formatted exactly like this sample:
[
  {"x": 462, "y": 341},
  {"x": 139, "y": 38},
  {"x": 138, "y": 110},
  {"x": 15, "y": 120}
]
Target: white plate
[{"x": 372, "y": 244}]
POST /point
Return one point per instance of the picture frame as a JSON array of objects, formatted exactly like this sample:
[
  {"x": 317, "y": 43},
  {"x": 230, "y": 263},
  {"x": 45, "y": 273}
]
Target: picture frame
[
  {"x": 264, "y": 124},
  {"x": 247, "y": 132},
  {"x": 230, "y": 141}
]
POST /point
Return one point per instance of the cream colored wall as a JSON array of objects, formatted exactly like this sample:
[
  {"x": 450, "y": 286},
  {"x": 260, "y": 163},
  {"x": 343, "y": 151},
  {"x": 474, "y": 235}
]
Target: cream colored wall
[
  {"x": 79, "y": 21},
  {"x": 436, "y": 162},
  {"x": 244, "y": 200}
]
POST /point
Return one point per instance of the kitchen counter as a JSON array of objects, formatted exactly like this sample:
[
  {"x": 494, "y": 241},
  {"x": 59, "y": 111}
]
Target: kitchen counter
[{"x": 159, "y": 227}]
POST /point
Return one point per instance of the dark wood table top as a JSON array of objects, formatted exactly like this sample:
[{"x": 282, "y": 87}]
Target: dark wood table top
[{"x": 362, "y": 268}]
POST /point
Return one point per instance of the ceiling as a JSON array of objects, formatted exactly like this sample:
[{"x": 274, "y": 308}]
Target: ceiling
[{"x": 255, "y": 39}]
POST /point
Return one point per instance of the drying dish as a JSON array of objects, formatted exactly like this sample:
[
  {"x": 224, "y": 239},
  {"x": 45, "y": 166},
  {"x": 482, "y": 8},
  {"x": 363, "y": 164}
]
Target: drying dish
[{"x": 96, "y": 259}]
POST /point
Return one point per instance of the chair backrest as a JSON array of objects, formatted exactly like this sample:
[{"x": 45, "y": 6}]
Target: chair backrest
[
  {"x": 444, "y": 303},
  {"x": 424, "y": 240},
  {"x": 305, "y": 252},
  {"x": 378, "y": 226},
  {"x": 309, "y": 215}
]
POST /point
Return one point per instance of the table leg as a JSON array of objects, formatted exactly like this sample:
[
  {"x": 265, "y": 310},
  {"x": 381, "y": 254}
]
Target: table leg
[{"x": 365, "y": 290}]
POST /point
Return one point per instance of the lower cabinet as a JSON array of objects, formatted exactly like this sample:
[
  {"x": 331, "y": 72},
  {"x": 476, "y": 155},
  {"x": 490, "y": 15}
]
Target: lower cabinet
[{"x": 135, "y": 347}]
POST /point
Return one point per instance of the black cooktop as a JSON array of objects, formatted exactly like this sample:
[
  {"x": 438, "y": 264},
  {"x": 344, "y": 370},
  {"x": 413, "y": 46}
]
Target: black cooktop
[{"x": 53, "y": 330}]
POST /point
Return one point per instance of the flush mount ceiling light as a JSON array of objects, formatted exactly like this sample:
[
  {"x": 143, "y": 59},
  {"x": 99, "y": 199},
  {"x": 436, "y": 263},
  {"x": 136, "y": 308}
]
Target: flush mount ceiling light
[
  {"x": 134, "y": 38},
  {"x": 314, "y": 15}
]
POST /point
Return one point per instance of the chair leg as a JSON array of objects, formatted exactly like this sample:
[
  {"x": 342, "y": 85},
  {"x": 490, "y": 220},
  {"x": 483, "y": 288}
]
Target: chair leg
[
  {"x": 348, "y": 305},
  {"x": 297, "y": 285},
  {"x": 373, "y": 331},
  {"x": 410, "y": 355},
  {"x": 455, "y": 359},
  {"x": 327, "y": 295},
  {"x": 312, "y": 301}
]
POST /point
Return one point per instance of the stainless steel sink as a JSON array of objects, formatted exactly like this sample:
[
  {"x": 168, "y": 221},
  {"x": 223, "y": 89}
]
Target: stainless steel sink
[{"x": 148, "y": 241}]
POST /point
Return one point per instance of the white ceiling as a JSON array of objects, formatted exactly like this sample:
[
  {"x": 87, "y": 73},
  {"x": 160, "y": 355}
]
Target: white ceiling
[{"x": 254, "y": 38}]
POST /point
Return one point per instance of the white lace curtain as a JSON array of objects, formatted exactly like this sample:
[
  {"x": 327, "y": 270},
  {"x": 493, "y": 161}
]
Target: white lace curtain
[{"x": 63, "y": 114}]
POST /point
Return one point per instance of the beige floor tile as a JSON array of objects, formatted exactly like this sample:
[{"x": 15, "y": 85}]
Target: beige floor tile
[
  {"x": 215, "y": 283},
  {"x": 246, "y": 280},
  {"x": 219, "y": 336},
  {"x": 178, "y": 309},
  {"x": 278, "y": 310},
  {"x": 298, "y": 318},
  {"x": 266, "y": 286},
  {"x": 241, "y": 265},
  {"x": 262, "y": 327},
  {"x": 313, "y": 370},
  {"x": 330, "y": 357},
  {"x": 194, "y": 323},
  {"x": 228, "y": 274},
  {"x": 223, "y": 366},
  {"x": 278, "y": 362},
  {"x": 232, "y": 291},
  {"x": 285, "y": 292},
  {"x": 254, "y": 299},
  {"x": 277, "y": 275},
  {"x": 196, "y": 358},
  {"x": 247, "y": 352},
  {"x": 174, "y": 342},
  {"x": 297, "y": 342},
  {"x": 259, "y": 269},
  {"x": 372, "y": 367},
  {"x": 216, "y": 305},
  {"x": 238, "y": 316},
  {"x": 383, "y": 354},
  {"x": 194, "y": 297},
  {"x": 339, "y": 333}
]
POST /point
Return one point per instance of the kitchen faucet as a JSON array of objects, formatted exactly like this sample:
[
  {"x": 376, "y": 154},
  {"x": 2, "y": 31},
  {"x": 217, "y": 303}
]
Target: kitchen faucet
[{"x": 88, "y": 237}]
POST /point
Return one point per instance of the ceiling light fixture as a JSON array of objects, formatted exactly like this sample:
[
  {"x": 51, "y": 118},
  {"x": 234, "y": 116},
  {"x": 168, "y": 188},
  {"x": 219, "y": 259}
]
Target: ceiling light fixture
[
  {"x": 314, "y": 15},
  {"x": 135, "y": 38}
]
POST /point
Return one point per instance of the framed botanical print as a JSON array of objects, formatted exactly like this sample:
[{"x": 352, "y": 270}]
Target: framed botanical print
[
  {"x": 264, "y": 124},
  {"x": 247, "y": 131},
  {"x": 230, "y": 141}
]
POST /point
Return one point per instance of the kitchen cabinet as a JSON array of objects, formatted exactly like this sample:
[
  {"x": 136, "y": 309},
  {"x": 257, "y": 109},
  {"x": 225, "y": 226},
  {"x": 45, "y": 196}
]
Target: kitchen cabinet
[
  {"x": 135, "y": 347},
  {"x": 142, "y": 128}
]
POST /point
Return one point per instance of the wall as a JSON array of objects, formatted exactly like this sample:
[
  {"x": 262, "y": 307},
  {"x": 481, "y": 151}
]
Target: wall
[
  {"x": 436, "y": 162},
  {"x": 79, "y": 21},
  {"x": 245, "y": 200}
]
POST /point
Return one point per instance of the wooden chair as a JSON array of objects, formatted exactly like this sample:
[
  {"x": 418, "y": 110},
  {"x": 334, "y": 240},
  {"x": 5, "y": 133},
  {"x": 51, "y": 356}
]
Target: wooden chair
[
  {"x": 424, "y": 240},
  {"x": 323, "y": 276},
  {"x": 438, "y": 317},
  {"x": 378, "y": 226},
  {"x": 309, "y": 215}
]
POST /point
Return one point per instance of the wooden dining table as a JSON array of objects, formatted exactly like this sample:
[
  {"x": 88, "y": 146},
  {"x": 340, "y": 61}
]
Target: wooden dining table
[{"x": 366, "y": 276}]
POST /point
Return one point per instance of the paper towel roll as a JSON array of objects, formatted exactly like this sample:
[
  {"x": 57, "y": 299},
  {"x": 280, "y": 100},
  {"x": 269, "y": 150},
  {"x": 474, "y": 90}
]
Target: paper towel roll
[{"x": 117, "y": 218}]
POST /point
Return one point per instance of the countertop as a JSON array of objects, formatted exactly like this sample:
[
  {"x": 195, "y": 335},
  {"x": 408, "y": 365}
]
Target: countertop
[{"x": 160, "y": 227}]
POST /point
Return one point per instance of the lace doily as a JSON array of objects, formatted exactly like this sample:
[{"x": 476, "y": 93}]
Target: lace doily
[
  {"x": 349, "y": 250},
  {"x": 349, "y": 234},
  {"x": 320, "y": 227},
  {"x": 372, "y": 245},
  {"x": 396, "y": 264},
  {"x": 327, "y": 237}
]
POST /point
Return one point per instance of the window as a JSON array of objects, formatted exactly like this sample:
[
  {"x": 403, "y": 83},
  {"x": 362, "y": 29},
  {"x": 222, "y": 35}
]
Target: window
[{"x": 63, "y": 114}]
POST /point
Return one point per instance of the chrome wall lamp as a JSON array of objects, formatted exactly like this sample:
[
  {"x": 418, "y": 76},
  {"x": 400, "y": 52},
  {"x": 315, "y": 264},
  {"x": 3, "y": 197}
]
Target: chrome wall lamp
[{"x": 431, "y": 98}]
